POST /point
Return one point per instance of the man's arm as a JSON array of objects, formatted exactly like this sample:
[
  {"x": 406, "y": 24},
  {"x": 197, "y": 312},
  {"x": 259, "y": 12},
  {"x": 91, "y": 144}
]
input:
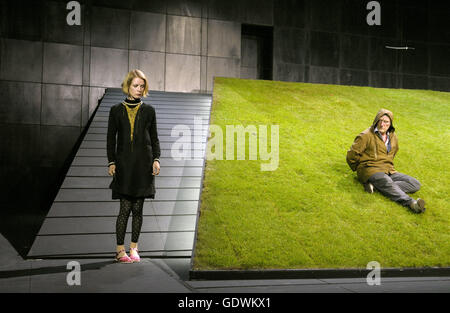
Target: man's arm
[
  {"x": 395, "y": 144},
  {"x": 355, "y": 152}
]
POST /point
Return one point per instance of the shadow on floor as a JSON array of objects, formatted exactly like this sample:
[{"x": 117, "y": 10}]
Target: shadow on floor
[
  {"x": 32, "y": 170},
  {"x": 25, "y": 206},
  {"x": 52, "y": 270}
]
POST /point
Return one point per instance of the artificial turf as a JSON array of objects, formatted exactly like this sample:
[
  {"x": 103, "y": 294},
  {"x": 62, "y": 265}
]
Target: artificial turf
[{"x": 311, "y": 212}]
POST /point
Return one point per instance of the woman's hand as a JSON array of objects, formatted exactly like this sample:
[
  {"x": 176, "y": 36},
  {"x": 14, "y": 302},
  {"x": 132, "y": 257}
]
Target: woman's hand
[
  {"x": 156, "y": 168},
  {"x": 112, "y": 169}
]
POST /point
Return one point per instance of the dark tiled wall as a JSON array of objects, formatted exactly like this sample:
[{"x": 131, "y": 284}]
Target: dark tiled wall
[
  {"x": 46, "y": 99},
  {"x": 329, "y": 36}
]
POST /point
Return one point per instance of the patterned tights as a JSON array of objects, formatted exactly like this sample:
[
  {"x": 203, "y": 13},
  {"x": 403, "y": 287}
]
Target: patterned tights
[{"x": 126, "y": 207}]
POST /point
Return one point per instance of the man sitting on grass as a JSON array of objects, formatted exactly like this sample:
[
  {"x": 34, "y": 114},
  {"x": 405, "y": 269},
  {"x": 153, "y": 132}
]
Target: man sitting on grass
[{"x": 372, "y": 156}]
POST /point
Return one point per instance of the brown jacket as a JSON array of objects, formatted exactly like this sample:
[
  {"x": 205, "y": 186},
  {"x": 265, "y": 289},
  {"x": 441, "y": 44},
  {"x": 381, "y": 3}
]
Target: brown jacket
[{"x": 368, "y": 154}]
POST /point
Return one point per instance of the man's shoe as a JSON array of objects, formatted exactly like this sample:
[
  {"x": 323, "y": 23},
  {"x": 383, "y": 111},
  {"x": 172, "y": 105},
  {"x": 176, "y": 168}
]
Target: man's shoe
[
  {"x": 368, "y": 187},
  {"x": 417, "y": 206},
  {"x": 421, "y": 204}
]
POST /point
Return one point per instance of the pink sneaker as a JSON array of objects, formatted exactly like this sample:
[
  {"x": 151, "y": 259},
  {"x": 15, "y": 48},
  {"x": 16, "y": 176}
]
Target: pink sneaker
[
  {"x": 123, "y": 259},
  {"x": 134, "y": 256}
]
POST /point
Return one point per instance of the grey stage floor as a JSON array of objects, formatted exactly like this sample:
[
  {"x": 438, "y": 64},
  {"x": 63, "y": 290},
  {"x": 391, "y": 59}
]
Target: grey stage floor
[{"x": 156, "y": 275}]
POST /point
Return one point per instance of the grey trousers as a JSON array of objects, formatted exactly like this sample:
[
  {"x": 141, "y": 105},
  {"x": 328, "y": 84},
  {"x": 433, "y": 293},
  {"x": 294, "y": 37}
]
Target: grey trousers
[{"x": 395, "y": 186}]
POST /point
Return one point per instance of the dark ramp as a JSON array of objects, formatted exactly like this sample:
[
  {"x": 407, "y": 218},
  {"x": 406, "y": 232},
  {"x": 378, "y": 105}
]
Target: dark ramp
[{"x": 81, "y": 221}]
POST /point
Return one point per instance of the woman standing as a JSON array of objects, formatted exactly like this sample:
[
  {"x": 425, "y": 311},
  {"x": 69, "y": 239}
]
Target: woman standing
[{"x": 133, "y": 155}]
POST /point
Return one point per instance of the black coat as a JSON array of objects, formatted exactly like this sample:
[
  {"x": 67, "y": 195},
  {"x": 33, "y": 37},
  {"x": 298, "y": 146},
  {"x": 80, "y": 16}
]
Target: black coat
[{"x": 133, "y": 159}]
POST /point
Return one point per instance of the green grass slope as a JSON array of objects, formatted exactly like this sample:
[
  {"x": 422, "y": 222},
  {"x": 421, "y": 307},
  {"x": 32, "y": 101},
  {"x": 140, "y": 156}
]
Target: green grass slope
[{"x": 311, "y": 212}]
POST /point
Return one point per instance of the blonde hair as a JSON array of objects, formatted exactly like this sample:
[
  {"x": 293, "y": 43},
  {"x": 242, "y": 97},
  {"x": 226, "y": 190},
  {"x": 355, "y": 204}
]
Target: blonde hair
[{"x": 129, "y": 78}]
